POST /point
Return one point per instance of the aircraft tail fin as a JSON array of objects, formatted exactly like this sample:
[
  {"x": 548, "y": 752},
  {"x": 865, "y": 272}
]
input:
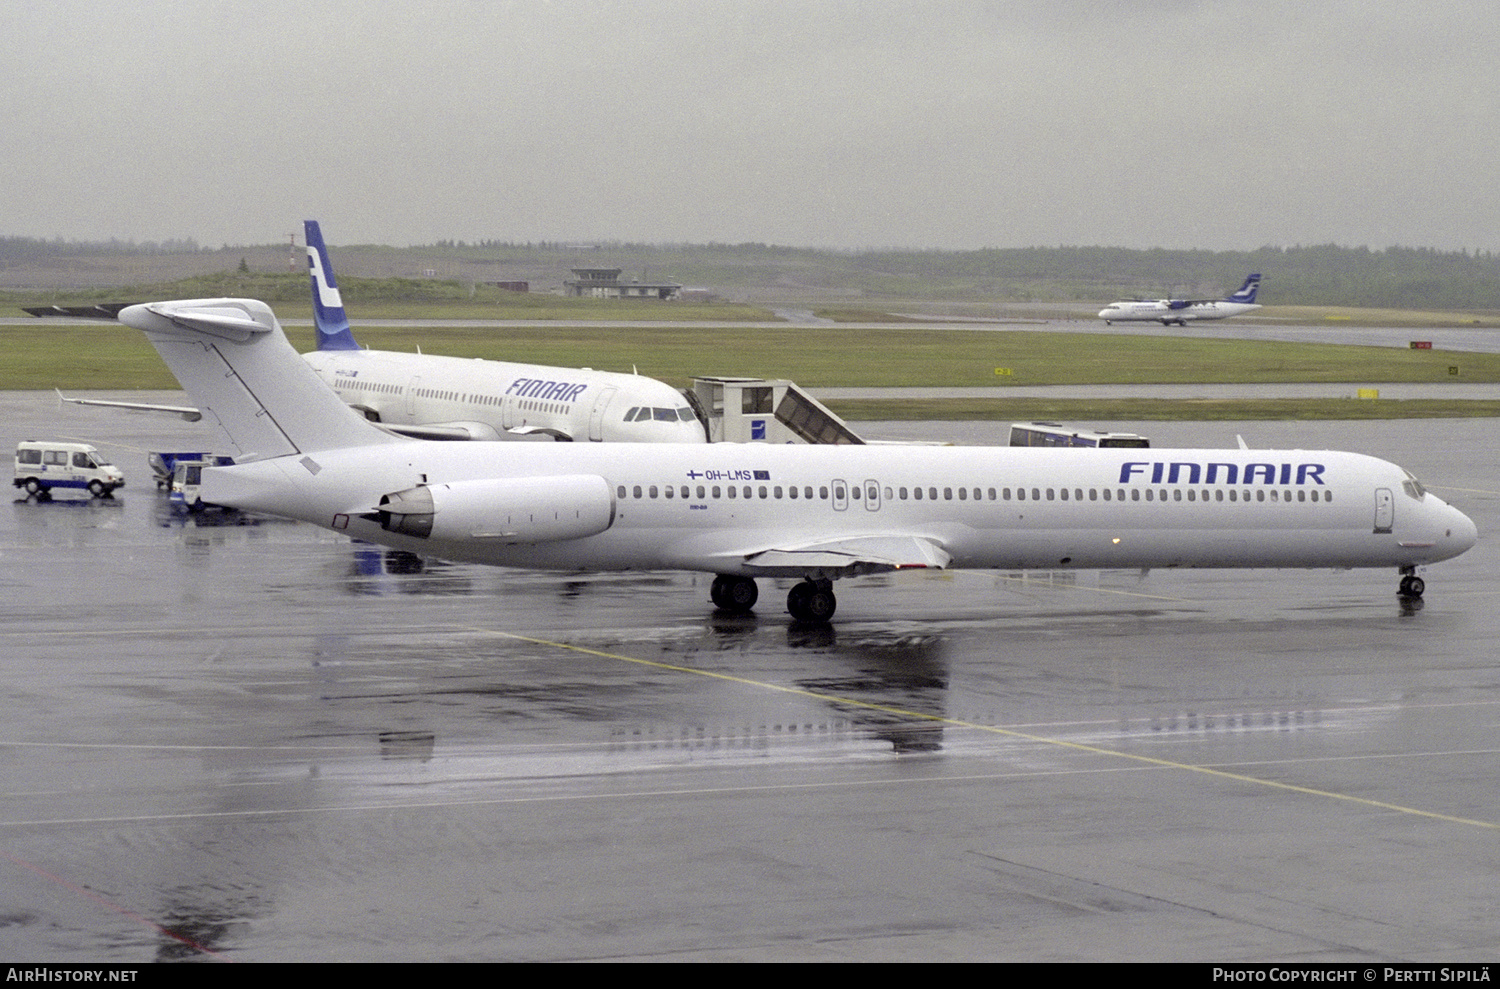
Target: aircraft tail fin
[
  {"x": 1246, "y": 293},
  {"x": 234, "y": 360},
  {"x": 328, "y": 305}
]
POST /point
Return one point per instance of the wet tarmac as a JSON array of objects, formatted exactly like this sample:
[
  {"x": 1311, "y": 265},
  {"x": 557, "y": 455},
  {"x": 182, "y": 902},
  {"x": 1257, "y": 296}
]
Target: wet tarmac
[{"x": 244, "y": 739}]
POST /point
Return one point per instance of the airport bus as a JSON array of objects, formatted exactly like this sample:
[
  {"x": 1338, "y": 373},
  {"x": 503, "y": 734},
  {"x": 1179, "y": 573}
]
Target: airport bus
[{"x": 1056, "y": 434}]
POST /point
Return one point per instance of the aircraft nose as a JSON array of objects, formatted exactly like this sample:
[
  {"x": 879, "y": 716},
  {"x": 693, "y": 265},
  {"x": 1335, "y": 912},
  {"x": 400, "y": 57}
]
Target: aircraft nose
[{"x": 1463, "y": 532}]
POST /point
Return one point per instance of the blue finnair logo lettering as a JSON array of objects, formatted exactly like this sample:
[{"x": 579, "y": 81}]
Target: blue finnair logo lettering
[
  {"x": 550, "y": 391},
  {"x": 1189, "y": 472}
]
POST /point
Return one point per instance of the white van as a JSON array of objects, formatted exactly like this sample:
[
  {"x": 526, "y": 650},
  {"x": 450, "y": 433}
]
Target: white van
[{"x": 46, "y": 464}]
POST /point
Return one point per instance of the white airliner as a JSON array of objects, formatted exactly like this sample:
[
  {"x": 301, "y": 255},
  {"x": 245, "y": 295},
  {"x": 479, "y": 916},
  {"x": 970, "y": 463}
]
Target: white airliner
[
  {"x": 1179, "y": 311},
  {"x": 744, "y": 511},
  {"x": 452, "y": 398}
]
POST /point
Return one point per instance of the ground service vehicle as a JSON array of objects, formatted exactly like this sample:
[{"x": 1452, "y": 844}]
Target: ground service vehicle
[
  {"x": 1056, "y": 434},
  {"x": 47, "y": 464}
]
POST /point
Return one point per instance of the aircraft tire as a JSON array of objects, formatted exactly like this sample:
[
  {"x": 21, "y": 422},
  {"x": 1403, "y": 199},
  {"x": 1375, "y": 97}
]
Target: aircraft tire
[
  {"x": 811, "y": 601},
  {"x": 1412, "y": 587},
  {"x": 733, "y": 593}
]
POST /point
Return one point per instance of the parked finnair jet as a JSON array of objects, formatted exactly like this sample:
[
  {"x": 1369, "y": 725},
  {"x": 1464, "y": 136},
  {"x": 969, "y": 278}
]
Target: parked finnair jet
[
  {"x": 741, "y": 512},
  {"x": 451, "y": 398},
  {"x": 1179, "y": 311}
]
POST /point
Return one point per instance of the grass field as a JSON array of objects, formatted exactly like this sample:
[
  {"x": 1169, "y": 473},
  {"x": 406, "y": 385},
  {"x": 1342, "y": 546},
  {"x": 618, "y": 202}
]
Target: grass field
[{"x": 108, "y": 356}]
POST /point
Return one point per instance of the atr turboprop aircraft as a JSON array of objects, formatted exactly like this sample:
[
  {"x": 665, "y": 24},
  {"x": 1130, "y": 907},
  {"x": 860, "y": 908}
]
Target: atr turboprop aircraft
[
  {"x": 741, "y": 512},
  {"x": 1179, "y": 311},
  {"x": 450, "y": 398}
]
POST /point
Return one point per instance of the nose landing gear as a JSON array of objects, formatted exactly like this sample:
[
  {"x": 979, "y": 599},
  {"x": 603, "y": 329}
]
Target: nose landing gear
[{"x": 1411, "y": 585}]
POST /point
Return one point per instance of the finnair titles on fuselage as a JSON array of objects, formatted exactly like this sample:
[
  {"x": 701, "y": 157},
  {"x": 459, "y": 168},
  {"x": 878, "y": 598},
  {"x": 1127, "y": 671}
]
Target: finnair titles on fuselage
[
  {"x": 1180, "y": 311},
  {"x": 432, "y": 397},
  {"x": 815, "y": 513}
]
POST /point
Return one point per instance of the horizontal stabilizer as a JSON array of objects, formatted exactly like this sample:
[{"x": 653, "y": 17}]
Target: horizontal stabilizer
[
  {"x": 185, "y": 412},
  {"x": 99, "y": 310}
]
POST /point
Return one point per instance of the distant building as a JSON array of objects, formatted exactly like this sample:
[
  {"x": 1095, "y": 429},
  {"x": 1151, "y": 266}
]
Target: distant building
[
  {"x": 512, "y": 286},
  {"x": 604, "y": 283}
]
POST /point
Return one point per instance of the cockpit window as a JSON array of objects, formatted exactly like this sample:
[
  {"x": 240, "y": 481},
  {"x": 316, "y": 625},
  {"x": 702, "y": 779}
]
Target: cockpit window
[
  {"x": 648, "y": 414},
  {"x": 1413, "y": 487}
]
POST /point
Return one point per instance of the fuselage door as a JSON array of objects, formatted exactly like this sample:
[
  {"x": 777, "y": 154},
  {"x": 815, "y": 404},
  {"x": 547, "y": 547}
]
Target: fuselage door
[
  {"x": 872, "y": 496},
  {"x": 840, "y": 496},
  {"x": 596, "y": 415},
  {"x": 1385, "y": 510},
  {"x": 411, "y": 396}
]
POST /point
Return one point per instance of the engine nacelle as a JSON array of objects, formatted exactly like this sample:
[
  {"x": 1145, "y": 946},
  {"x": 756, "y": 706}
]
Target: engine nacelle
[{"x": 508, "y": 510}]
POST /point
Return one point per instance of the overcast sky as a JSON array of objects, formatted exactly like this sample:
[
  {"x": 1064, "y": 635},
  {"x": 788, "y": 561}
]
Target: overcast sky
[{"x": 1140, "y": 123}]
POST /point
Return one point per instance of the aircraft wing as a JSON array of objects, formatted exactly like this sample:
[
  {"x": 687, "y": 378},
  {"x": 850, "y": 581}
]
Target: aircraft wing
[
  {"x": 185, "y": 412},
  {"x": 478, "y": 431},
  {"x": 850, "y": 556}
]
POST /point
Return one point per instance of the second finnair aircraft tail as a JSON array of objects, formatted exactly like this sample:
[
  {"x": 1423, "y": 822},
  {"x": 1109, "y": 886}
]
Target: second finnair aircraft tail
[
  {"x": 329, "y": 318},
  {"x": 1246, "y": 292}
]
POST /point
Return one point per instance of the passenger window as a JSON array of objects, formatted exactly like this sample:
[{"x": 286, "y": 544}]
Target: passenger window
[{"x": 653, "y": 490}]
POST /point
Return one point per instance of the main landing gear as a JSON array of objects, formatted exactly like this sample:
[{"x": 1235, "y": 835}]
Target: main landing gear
[
  {"x": 733, "y": 593},
  {"x": 1411, "y": 585},
  {"x": 808, "y": 601}
]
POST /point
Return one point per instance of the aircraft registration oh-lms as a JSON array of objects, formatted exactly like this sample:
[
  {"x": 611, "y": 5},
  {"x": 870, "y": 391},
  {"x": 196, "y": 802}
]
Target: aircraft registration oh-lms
[{"x": 817, "y": 513}]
